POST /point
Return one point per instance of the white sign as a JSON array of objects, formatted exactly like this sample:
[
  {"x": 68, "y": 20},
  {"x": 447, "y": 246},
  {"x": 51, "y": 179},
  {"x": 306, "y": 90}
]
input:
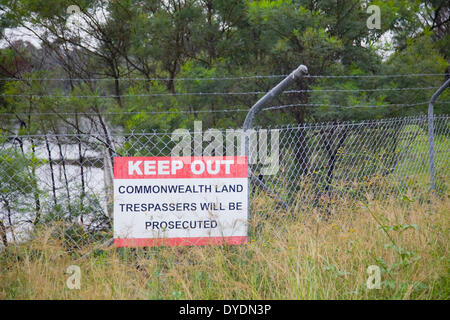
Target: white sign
[{"x": 174, "y": 201}]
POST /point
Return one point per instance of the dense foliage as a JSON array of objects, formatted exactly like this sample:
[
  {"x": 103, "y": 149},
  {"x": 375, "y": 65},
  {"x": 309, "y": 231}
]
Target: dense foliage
[{"x": 152, "y": 40}]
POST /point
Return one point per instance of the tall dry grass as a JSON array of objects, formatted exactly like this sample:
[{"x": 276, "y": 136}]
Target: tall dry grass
[{"x": 292, "y": 255}]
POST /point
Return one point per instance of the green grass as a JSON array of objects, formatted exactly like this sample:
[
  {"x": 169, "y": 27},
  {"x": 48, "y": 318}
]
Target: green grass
[{"x": 292, "y": 255}]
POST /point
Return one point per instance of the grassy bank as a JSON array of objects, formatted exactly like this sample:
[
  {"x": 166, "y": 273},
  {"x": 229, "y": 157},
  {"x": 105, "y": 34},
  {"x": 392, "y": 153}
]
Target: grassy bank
[{"x": 289, "y": 257}]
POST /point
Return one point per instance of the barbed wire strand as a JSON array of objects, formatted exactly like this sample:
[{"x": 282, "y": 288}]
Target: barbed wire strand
[
  {"x": 159, "y": 132},
  {"x": 92, "y": 114},
  {"x": 212, "y": 93},
  {"x": 232, "y": 78}
]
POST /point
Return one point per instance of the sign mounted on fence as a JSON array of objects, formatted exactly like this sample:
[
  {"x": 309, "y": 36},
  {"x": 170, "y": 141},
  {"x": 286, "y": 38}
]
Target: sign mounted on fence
[{"x": 176, "y": 201}]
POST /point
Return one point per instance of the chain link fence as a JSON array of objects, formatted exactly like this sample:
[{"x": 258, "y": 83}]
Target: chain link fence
[{"x": 66, "y": 180}]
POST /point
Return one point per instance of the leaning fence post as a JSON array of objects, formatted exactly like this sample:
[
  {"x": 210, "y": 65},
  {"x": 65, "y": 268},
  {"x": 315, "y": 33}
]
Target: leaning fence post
[
  {"x": 258, "y": 106},
  {"x": 275, "y": 91},
  {"x": 431, "y": 131}
]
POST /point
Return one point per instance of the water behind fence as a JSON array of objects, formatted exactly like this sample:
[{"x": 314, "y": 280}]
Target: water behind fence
[{"x": 66, "y": 180}]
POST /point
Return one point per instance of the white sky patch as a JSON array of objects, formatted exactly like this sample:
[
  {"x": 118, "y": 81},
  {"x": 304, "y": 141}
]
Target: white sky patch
[
  {"x": 81, "y": 29},
  {"x": 19, "y": 33},
  {"x": 384, "y": 46}
]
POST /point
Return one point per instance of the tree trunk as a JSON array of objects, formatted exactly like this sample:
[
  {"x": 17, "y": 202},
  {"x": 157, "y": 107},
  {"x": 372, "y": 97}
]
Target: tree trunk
[
  {"x": 66, "y": 181},
  {"x": 52, "y": 175},
  {"x": 301, "y": 150},
  {"x": 81, "y": 160},
  {"x": 3, "y": 234},
  {"x": 37, "y": 201}
]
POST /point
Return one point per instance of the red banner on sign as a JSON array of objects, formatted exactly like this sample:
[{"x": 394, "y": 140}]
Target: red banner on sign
[
  {"x": 180, "y": 167},
  {"x": 193, "y": 241}
]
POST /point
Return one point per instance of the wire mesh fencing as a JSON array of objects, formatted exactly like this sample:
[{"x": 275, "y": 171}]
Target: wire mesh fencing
[
  {"x": 322, "y": 164},
  {"x": 66, "y": 180}
]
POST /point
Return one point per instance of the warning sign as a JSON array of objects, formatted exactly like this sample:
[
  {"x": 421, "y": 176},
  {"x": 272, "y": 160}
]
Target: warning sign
[{"x": 175, "y": 201}]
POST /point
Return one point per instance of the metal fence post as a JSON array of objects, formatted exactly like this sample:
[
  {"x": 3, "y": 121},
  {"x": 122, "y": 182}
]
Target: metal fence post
[
  {"x": 257, "y": 107},
  {"x": 275, "y": 91},
  {"x": 431, "y": 132}
]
